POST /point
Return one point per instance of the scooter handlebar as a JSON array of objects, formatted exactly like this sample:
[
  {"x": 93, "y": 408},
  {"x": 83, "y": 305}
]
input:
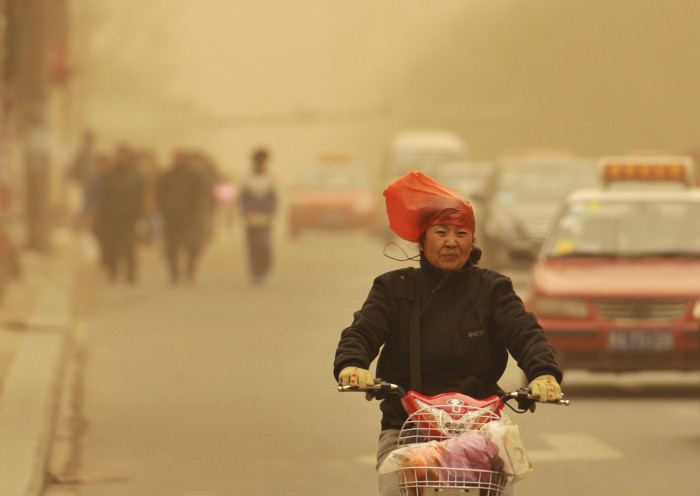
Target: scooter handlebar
[
  {"x": 382, "y": 390},
  {"x": 379, "y": 390},
  {"x": 526, "y": 401}
]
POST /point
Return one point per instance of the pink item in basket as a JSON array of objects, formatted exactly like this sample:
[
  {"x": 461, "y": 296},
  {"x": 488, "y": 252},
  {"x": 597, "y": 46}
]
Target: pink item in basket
[{"x": 471, "y": 451}]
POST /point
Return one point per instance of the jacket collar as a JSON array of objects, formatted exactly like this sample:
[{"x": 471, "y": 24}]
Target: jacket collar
[{"x": 435, "y": 275}]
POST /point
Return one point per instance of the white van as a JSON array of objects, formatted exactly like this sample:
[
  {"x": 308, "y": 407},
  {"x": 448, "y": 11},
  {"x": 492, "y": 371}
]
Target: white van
[{"x": 422, "y": 151}]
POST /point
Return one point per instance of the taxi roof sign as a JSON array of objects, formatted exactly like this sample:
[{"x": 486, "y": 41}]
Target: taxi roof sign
[{"x": 674, "y": 169}]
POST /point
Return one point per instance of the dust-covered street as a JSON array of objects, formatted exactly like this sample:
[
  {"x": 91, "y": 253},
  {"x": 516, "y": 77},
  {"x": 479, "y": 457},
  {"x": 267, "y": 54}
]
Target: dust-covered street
[{"x": 221, "y": 388}]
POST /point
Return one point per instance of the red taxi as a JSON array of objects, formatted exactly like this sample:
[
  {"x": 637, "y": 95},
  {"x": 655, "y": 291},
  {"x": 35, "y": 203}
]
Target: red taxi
[
  {"x": 617, "y": 283},
  {"x": 333, "y": 195}
]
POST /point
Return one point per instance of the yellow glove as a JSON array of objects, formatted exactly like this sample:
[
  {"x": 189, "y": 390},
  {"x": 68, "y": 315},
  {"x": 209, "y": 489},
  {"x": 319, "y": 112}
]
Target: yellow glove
[
  {"x": 355, "y": 377},
  {"x": 546, "y": 388}
]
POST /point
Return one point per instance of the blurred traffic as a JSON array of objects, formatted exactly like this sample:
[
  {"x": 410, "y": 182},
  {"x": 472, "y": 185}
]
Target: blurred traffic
[
  {"x": 206, "y": 152},
  {"x": 617, "y": 284},
  {"x": 334, "y": 193},
  {"x": 468, "y": 178},
  {"x": 523, "y": 196}
]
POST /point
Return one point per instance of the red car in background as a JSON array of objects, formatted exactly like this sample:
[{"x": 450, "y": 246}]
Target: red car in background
[
  {"x": 617, "y": 283},
  {"x": 336, "y": 195}
]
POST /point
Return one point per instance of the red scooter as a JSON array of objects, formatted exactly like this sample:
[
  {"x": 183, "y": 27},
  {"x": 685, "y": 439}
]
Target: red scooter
[{"x": 453, "y": 444}]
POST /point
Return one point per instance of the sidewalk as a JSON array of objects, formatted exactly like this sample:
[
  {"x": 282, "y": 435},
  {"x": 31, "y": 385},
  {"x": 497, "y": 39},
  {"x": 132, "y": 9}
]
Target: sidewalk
[{"x": 35, "y": 319}]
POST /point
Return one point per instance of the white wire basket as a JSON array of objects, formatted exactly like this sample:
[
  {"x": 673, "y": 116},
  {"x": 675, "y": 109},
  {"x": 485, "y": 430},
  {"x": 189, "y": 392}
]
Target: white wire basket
[
  {"x": 436, "y": 440},
  {"x": 433, "y": 423}
]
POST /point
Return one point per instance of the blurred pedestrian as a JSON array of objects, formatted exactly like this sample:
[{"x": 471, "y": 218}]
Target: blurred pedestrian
[
  {"x": 119, "y": 206},
  {"x": 209, "y": 175},
  {"x": 258, "y": 204},
  {"x": 93, "y": 192},
  {"x": 181, "y": 194},
  {"x": 83, "y": 166},
  {"x": 80, "y": 172}
]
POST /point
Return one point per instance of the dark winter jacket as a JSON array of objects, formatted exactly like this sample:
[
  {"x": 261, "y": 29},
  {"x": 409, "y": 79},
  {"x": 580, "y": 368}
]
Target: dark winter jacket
[
  {"x": 470, "y": 320},
  {"x": 119, "y": 202},
  {"x": 181, "y": 195}
]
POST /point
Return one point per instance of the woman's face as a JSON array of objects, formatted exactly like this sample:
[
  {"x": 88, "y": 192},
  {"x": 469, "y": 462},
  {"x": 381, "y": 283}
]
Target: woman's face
[{"x": 447, "y": 247}]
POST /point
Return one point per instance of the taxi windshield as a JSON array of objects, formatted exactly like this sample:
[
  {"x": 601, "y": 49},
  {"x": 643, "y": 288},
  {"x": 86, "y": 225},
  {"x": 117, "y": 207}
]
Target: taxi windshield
[{"x": 627, "y": 229}]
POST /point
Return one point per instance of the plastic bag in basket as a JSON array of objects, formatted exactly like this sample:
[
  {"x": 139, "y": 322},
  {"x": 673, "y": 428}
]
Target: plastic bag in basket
[
  {"x": 418, "y": 466},
  {"x": 473, "y": 457},
  {"x": 424, "y": 457},
  {"x": 504, "y": 433}
]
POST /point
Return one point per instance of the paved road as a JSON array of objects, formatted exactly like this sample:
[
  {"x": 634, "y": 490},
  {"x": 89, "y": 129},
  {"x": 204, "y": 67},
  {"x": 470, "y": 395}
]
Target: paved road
[{"x": 221, "y": 389}]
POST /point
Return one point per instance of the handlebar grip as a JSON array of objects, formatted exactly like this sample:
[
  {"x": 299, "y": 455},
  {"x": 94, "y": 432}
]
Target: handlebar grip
[
  {"x": 348, "y": 389},
  {"x": 527, "y": 401},
  {"x": 379, "y": 390}
]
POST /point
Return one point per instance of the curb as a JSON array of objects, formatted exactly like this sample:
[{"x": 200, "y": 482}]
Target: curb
[
  {"x": 40, "y": 321},
  {"x": 27, "y": 412}
]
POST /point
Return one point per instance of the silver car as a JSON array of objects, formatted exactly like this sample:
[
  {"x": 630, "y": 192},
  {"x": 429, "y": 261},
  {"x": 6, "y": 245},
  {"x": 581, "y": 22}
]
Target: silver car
[{"x": 522, "y": 201}]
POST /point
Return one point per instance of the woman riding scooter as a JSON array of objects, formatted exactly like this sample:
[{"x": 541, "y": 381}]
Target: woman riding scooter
[{"x": 446, "y": 326}]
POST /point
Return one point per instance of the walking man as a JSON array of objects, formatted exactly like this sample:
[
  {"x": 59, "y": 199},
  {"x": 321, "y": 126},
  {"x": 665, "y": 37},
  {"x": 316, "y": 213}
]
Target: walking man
[
  {"x": 118, "y": 207},
  {"x": 258, "y": 203},
  {"x": 181, "y": 197}
]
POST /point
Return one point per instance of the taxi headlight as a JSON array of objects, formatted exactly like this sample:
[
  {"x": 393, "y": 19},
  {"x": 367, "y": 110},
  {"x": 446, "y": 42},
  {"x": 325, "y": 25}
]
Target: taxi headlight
[
  {"x": 560, "y": 307},
  {"x": 696, "y": 310}
]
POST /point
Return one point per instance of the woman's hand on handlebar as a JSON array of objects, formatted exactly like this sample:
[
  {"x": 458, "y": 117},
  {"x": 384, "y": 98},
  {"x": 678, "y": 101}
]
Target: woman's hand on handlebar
[
  {"x": 355, "y": 377},
  {"x": 546, "y": 389},
  {"x": 527, "y": 401},
  {"x": 380, "y": 389}
]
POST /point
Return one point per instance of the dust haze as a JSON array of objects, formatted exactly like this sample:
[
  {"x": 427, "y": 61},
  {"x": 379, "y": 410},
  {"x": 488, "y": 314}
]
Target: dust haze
[
  {"x": 314, "y": 76},
  {"x": 205, "y": 386}
]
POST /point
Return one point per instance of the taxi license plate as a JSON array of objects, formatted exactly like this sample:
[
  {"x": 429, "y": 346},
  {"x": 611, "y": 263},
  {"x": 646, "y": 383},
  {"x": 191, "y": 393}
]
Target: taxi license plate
[{"x": 640, "y": 340}]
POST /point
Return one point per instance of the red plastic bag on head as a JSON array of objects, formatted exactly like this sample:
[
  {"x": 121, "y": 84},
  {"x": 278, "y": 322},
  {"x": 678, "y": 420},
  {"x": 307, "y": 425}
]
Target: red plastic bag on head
[{"x": 415, "y": 201}]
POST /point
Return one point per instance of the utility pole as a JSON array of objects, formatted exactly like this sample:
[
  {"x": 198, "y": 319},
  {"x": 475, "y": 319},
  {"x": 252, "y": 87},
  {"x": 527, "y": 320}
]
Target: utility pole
[
  {"x": 33, "y": 89},
  {"x": 4, "y": 79}
]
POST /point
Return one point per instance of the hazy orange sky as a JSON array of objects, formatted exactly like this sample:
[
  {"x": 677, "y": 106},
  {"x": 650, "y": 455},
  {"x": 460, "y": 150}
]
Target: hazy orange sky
[{"x": 307, "y": 76}]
